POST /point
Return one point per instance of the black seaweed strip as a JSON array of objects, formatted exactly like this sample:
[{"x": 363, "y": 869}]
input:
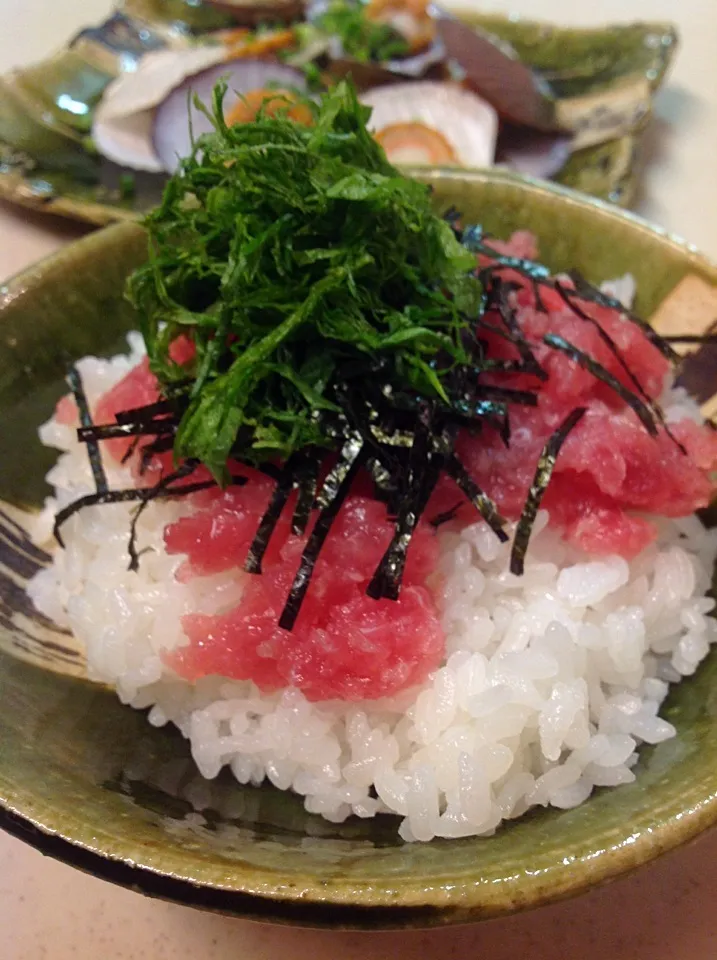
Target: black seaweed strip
[
  {"x": 510, "y": 366},
  {"x": 130, "y": 451},
  {"x": 505, "y": 431},
  {"x": 473, "y": 414},
  {"x": 447, "y": 515},
  {"x": 588, "y": 292},
  {"x": 267, "y": 524},
  {"x": 387, "y": 460},
  {"x": 419, "y": 475},
  {"x": 164, "y": 489},
  {"x": 386, "y": 581},
  {"x": 535, "y": 281},
  {"x": 316, "y": 540},
  {"x": 93, "y": 451},
  {"x": 127, "y": 496},
  {"x": 308, "y": 481},
  {"x": 334, "y": 478},
  {"x": 508, "y": 316},
  {"x": 150, "y": 451},
  {"x": 112, "y": 431},
  {"x": 508, "y": 395},
  {"x": 480, "y": 500},
  {"x": 360, "y": 423},
  {"x": 473, "y": 240},
  {"x": 186, "y": 470},
  {"x": 543, "y": 473},
  {"x": 600, "y": 373},
  {"x": 701, "y": 339},
  {"x": 654, "y": 407},
  {"x": 148, "y": 412},
  {"x": 385, "y": 489},
  {"x": 539, "y": 304}
]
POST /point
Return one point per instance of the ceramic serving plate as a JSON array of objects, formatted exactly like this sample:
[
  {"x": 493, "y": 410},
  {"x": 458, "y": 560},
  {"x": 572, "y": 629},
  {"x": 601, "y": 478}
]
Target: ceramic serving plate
[
  {"x": 601, "y": 81},
  {"x": 90, "y": 782}
]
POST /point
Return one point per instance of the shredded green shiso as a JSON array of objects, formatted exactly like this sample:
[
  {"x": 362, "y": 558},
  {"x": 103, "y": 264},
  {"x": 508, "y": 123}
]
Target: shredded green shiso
[{"x": 299, "y": 259}]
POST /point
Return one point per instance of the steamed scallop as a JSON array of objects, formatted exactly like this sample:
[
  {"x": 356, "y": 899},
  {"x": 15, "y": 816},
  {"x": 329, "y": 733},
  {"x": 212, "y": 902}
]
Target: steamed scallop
[
  {"x": 147, "y": 119},
  {"x": 433, "y": 124}
]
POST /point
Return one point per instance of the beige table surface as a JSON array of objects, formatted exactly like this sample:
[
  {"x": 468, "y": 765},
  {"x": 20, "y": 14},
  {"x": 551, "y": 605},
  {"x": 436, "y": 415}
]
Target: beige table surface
[{"x": 667, "y": 911}]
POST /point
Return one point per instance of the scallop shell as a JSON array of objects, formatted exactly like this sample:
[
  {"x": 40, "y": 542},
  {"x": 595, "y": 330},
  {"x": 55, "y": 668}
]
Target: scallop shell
[
  {"x": 122, "y": 128},
  {"x": 143, "y": 122},
  {"x": 467, "y": 123}
]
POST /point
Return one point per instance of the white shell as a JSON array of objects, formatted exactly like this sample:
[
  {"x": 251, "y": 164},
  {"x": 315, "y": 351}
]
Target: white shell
[
  {"x": 122, "y": 129},
  {"x": 468, "y": 123}
]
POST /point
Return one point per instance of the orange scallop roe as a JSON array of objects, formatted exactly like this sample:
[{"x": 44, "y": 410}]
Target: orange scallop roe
[
  {"x": 417, "y": 8},
  {"x": 273, "y": 102},
  {"x": 415, "y": 143},
  {"x": 243, "y": 43}
]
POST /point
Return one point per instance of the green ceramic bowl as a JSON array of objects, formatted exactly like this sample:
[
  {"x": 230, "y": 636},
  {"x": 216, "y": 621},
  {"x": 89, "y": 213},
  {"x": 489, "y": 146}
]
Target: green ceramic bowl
[{"x": 89, "y": 781}]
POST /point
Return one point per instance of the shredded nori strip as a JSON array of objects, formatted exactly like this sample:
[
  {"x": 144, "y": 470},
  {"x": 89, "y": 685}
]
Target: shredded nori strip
[
  {"x": 93, "y": 451},
  {"x": 543, "y": 473},
  {"x": 698, "y": 338},
  {"x": 421, "y": 475},
  {"x": 600, "y": 373},
  {"x": 473, "y": 238},
  {"x": 151, "y": 450},
  {"x": 353, "y": 461},
  {"x": 335, "y": 477},
  {"x": 447, "y": 515},
  {"x": 186, "y": 470},
  {"x": 480, "y": 500},
  {"x": 112, "y": 431},
  {"x": 147, "y": 413},
  {"x": 164, "y": 488},
  {"x": 267, "y": 524},
  {"x": 131, "y": 494},
  {"x": 306, "y": 487},
  {"x": 130, "y": 451},
  {"x": 588, "y": 292},
  {"x": 386, "y": 581},
  {"x": 568, "y": 298},
  {"x": 508, "y": 316},
  {"x": 504, "y": 395}
]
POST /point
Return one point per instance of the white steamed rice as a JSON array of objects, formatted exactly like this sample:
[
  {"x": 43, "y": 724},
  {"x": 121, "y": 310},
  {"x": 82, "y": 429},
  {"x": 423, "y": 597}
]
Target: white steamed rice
[{"x": 551, "y": 681}]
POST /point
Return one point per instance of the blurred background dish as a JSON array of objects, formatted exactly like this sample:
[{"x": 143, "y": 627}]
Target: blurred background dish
[{"x": 81, "y": 132}]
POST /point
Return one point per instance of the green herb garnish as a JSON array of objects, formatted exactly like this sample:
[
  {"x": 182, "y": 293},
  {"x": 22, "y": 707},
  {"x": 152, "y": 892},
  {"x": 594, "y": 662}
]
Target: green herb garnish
[{"x": 292, "y": 255}]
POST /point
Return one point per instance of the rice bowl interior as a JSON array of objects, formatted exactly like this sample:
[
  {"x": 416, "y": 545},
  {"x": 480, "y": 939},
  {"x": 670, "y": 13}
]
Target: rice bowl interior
[{"x": 685, "y": 574}]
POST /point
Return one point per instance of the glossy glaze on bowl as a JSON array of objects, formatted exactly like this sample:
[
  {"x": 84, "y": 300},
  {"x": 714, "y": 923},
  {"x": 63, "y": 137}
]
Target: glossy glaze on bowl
[{"x": 89, "y": 781}]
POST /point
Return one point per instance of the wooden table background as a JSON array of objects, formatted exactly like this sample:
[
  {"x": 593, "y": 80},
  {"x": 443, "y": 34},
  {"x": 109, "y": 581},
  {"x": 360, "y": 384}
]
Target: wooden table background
[{"x": 666, "y": 911}]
